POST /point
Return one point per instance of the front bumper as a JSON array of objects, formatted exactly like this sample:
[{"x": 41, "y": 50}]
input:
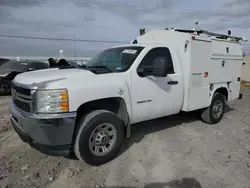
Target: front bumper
[{"x": 50, "y": 134}]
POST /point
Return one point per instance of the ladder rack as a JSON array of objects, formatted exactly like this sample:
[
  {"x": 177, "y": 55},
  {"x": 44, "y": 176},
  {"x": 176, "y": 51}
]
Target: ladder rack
[{"x": 209, "y": 33}]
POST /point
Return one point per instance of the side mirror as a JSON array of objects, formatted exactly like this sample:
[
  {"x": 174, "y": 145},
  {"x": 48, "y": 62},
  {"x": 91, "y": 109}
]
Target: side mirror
[
  {"x": 160, "y": 67},
  {"x": 141, "y": 71}
]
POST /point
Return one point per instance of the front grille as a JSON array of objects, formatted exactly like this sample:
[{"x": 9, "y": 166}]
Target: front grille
[
  {"x": 22, "y": 97},
  {"x": 21, "y": 90},
  {"x": 22, "y": 105}
]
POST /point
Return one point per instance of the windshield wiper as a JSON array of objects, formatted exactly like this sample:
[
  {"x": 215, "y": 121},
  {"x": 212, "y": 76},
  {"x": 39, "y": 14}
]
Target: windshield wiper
[{"x": 98, "y": 67}]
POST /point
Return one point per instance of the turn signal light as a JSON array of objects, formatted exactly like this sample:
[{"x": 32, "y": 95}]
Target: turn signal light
[
  {"x": 64, "y": 95},
  {"x": 64, "y": 106}
]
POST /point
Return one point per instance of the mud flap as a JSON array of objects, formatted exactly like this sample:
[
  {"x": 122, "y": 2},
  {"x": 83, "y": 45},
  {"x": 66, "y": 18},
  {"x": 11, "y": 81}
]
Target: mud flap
[{"x": 240, "y": 96}]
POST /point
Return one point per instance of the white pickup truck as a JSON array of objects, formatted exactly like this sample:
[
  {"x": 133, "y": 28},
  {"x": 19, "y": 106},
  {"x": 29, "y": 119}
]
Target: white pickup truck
[{"x": 87, "y": 111}]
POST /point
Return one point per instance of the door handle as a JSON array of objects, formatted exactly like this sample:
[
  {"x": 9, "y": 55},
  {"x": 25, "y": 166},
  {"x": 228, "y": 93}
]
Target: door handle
[{"x": 173, "y": 82}]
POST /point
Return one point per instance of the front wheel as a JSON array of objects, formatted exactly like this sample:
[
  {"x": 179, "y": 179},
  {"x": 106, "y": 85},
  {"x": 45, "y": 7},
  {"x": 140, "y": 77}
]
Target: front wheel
[
  {"x": 214, "y": 113},
  {"x": 99, "y": 138}
]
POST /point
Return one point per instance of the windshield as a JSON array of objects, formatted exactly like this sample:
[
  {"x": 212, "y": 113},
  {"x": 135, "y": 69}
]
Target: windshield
[
  {"x": 15, "y": 65},
  {"x": 116, "y": 59}
]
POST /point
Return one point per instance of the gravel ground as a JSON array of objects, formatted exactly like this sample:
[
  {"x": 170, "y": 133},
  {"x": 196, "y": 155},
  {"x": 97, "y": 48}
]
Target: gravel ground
[{"x": 176, "y": 152}]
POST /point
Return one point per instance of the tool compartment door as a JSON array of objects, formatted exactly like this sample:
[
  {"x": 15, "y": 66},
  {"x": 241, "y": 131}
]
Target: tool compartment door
[
  {"x": 213, "y": 62},
  {"x": 198, "y": 95}
]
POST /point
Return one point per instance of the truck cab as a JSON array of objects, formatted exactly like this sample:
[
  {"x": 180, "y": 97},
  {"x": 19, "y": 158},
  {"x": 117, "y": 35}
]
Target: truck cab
[{"x": 87, "y": 111}]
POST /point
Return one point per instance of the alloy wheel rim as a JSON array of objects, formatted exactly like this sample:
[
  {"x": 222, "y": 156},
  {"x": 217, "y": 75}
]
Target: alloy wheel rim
[
  {"x": 102, "y": 139},
  {"x": 217, "y": 108}
]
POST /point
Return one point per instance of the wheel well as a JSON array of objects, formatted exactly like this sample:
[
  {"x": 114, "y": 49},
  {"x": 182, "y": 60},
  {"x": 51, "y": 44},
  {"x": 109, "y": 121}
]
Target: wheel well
[
  {"x": 116, "y": 105},
  {"x": 222, "y": 91}
]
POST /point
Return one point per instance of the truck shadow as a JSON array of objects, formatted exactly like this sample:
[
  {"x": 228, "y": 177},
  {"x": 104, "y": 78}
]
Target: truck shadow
[
  {"x": 228, "y": 108},
  {"x": 140, "y": 130},
  {"x": 183, "y": 183}
]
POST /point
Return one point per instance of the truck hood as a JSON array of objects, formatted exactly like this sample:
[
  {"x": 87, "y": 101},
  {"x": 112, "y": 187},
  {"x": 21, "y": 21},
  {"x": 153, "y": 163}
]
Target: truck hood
[{"x": 40, "y": 76}]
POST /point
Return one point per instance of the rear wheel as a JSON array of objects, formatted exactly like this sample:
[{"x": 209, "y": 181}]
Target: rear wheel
[
  {"x": 99, "y": 138},
  {"x": 214, "y": 113}
]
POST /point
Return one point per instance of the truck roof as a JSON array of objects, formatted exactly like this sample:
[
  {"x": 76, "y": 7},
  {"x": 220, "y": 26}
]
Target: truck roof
[
  {"x": 165, "y": 36},
  {"x": 129, "y": 45},
  {"x": 178, "y": 37},
  {"x": 160, "y": 35}
]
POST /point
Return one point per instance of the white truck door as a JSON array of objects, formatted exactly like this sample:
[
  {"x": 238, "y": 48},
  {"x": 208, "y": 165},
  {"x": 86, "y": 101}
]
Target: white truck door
[{"x": 154, "y": 97}]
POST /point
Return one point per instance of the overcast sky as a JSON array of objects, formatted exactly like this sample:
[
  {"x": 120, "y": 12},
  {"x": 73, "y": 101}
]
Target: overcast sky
[{"x": 114, "y": 20}]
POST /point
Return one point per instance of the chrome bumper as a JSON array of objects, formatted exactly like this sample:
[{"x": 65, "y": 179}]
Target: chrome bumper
[{"x": 47, "y": 131}]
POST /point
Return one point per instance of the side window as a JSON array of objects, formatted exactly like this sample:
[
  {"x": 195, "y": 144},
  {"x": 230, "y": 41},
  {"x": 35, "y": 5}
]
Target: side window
[
  {"x": 42, "y": 66},
  {"x": 156, "y": 55},
  {"x": 32, "y": 66}
]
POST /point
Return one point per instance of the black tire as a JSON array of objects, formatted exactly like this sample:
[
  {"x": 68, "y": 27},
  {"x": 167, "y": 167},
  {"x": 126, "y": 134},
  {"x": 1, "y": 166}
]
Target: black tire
[
  {"x": 87, "y": 124},
  {"x": 208, "y": 115}
]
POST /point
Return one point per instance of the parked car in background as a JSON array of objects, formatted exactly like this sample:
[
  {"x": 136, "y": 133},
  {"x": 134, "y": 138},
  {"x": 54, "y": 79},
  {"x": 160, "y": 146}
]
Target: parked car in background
[
  {"x": 10, "y": 69},
  {"x": 62, "y": 63},
  {"x": 3, "y": 60}
]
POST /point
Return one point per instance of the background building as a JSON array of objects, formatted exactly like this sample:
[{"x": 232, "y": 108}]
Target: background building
[{"x": 246, "y": 69}]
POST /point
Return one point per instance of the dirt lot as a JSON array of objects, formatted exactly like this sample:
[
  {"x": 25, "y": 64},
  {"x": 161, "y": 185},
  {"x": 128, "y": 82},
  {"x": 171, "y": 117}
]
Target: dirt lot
[{"x": 176, "y": 152}]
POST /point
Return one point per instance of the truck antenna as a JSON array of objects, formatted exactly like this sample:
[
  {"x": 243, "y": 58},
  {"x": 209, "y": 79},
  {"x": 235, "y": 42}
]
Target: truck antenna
[{"x": 196, "y": 26}]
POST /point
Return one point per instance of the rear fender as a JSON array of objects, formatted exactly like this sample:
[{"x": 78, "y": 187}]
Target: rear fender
[{"x": 222, "y": 88}]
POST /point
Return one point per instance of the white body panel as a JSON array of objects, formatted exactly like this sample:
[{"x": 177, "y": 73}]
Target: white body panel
[
  {"x": 200, "y": 55},
  {"x": 191, "y": 59},
  {"x": 223, "y": 70},
  {"x": 164, "y": 99},
  {"x": 82, "y": 85}
]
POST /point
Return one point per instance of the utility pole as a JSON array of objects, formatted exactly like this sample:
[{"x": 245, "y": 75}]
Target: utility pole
[{"x": 74, "y": 47}]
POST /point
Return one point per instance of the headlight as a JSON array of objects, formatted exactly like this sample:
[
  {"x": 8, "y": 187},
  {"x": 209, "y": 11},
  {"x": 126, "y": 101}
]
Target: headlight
[{"x": 52, "y": 101}]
